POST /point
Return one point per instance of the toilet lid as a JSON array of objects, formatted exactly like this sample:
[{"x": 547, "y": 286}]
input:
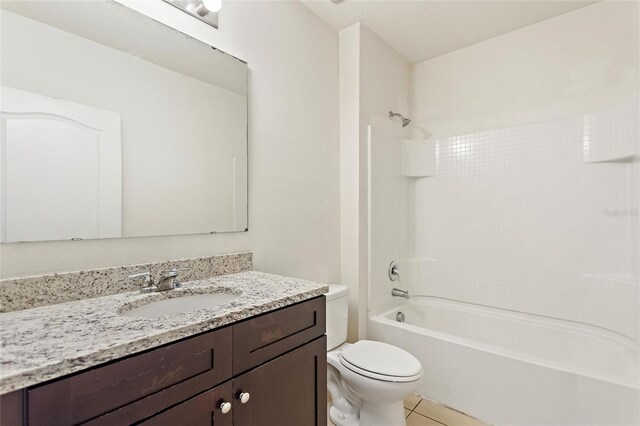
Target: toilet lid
[{"x": 381, "y": 359}]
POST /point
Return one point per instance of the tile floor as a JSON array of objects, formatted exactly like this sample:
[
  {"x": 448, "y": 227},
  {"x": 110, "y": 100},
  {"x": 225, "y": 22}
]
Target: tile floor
[{"x": 422, "y": 412}]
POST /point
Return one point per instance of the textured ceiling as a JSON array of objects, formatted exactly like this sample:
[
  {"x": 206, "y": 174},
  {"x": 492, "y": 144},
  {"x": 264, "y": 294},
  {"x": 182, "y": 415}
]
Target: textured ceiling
[{"x": 421, "y": 30}]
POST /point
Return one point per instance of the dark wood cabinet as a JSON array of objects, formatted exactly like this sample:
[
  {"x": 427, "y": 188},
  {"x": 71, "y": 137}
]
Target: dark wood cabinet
[
  {"x": 132, "y": 389},
  {"x": 202, "y": 410},
  {"x": 278, "y": 358},
  {"x": 265, "y": 337},
  {"x": 290, "y": 390}
]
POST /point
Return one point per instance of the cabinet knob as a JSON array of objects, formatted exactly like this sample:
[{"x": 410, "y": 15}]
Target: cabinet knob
[
  {"x": 244, "y": 397},
  {"x": 225, "y": 407}
]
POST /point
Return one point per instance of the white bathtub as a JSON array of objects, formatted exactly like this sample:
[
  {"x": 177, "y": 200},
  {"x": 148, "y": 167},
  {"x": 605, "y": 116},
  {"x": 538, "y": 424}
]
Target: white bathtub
[{"x": 510, "y": 368}]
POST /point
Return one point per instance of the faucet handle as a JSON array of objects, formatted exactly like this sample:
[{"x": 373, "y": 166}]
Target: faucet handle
[
  {"x": 147, "y": 280},
  {"x": 394, "y": 271},
  {"x": 145, "y": 275},
  {"x": 173, "y": 272}
]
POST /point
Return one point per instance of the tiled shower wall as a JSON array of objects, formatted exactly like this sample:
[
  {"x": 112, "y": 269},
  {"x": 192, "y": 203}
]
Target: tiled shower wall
[
  {"x": 540, "y": 218},
  {"x": 533, "y": 204},
  {"x": 386, "y": 229},
  {"x": 522, "y": 179}
]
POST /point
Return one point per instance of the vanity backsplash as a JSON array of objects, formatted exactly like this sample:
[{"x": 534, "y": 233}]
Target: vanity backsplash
[{"x": 31, "y": 292}]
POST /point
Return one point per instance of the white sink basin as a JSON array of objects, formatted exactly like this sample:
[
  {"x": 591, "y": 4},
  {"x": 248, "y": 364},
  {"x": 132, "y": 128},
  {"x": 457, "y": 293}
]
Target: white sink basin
[{"x": 179, "y": 305}]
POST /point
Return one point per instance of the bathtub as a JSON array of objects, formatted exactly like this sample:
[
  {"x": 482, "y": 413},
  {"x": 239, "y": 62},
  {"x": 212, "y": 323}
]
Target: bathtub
[{"x": 510, "y": 368}]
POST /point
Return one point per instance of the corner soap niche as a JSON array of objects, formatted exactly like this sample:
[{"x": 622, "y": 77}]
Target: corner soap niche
[
  {"x": 611, "y": 135},
  {"x": 418, "y": 158}
]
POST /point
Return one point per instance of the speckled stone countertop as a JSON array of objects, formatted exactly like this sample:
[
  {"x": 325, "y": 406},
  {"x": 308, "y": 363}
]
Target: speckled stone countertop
[
  {"x": 30, "y": 292},
  {"x": 47, "y": 342}
]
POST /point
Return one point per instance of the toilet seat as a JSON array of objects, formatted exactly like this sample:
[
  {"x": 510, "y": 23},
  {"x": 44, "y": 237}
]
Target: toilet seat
[{"x": 381, "y": 361}]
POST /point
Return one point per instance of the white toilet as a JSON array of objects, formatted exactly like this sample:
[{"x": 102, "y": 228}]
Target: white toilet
[{"x": 367, "y": 380}]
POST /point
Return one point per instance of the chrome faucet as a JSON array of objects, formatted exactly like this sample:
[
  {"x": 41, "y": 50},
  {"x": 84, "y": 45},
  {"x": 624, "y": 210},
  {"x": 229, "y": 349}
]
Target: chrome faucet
[
  {"x": 148, "y": 281},
  {"x": 400, "y": 293},
  {"x": 168, "y": 281}
]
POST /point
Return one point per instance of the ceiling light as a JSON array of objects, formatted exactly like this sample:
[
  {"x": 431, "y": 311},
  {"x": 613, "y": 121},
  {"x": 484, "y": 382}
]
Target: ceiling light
[
  {"x": 203, "y": 8},
  {"x": 212, "y": 5}
]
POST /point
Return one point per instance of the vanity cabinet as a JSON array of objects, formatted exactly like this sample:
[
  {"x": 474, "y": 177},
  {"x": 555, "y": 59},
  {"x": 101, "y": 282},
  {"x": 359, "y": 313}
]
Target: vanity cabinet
[
  {"x": 277, "y": 359},
  {"x": 290, "y": 390}
]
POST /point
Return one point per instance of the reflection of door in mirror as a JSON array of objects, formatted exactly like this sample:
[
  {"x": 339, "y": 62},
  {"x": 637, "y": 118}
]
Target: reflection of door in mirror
[{"x": 61, "y": 169}]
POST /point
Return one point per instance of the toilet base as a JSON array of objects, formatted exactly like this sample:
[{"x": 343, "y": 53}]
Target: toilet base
[
  {"x": 371, "y": 414},
  {"x": 339, "y": 418}
]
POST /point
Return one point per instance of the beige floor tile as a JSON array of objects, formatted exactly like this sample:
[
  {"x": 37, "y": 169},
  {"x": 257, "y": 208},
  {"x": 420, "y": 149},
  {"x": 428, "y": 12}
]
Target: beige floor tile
[
  {"x": 411, "y": 401},
  {"x": 445, "y": 415},
  {"x": 406, "y": 413},
  {"x": 416, "y": 419}
]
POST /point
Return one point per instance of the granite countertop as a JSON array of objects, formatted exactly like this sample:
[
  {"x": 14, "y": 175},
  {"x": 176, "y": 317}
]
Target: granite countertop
[{"x": 48, "y": 342}]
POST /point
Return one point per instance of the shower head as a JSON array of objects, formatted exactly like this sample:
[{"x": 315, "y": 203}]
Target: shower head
[{"x": 405, "y": 121}]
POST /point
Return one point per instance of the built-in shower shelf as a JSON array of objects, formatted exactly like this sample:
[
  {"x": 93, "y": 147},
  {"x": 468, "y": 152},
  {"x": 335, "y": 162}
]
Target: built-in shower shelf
[
  {"x": 620, "y": 158},
  {"x": 418, "y": 158},
  {"x": 611, "y": 135}
]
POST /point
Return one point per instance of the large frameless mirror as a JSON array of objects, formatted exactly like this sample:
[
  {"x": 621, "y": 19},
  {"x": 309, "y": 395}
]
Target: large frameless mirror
[{"x": 114, "y": 125}]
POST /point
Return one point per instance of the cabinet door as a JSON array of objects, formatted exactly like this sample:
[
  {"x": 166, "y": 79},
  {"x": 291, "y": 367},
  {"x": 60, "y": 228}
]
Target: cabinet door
[
  {"x": 12, "y": 408},
  {"x": 290, "y": 390},
  {"x": 202, "y": 410}
]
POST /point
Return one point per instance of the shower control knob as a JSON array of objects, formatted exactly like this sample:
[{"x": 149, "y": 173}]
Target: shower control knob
[
  {"x": 225, "y": 407},
  {"x": 244, "y": 397},
  {"x": 394, "y": 271}
]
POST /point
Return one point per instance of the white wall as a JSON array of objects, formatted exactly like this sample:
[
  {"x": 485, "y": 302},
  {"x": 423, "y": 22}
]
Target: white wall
[
  {"x": 374, "y": 80},
  {"x": 515, "y": 217},
  {"x": 572, "y": 64},
  {"x": 350, "y": 171},
  {"x": 294, "y": 218}
]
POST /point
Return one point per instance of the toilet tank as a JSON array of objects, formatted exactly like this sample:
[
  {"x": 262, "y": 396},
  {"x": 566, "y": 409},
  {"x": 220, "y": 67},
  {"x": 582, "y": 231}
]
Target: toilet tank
[{"x": 337, "y": 315}]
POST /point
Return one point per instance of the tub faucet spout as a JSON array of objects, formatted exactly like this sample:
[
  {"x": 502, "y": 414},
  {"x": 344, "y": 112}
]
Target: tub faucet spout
[{"x": 400, "y": 293}]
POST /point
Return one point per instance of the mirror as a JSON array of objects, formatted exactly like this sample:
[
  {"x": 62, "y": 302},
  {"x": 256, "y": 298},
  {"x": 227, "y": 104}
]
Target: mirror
[{"x": 114, "y": 125}]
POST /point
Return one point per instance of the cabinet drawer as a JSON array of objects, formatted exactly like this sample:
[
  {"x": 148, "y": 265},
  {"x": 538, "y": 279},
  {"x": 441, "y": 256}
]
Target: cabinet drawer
[
  {"x": 263, "y": 338},
  {"x": 136, "y": 387}
]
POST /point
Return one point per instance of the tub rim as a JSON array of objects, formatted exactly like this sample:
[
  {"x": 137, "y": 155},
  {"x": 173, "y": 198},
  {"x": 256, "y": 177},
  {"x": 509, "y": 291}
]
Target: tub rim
[{"x": 387, "y": 317}]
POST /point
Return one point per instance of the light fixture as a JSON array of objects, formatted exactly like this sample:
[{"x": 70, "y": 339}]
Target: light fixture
[
  {"x": 205, "y": 10},
  {"x": 212, "y": 5},
  {"x": 204, "y": 7}
]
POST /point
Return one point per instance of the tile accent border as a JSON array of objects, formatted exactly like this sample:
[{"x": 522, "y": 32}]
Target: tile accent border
[{"x": 31, "y": 292}]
